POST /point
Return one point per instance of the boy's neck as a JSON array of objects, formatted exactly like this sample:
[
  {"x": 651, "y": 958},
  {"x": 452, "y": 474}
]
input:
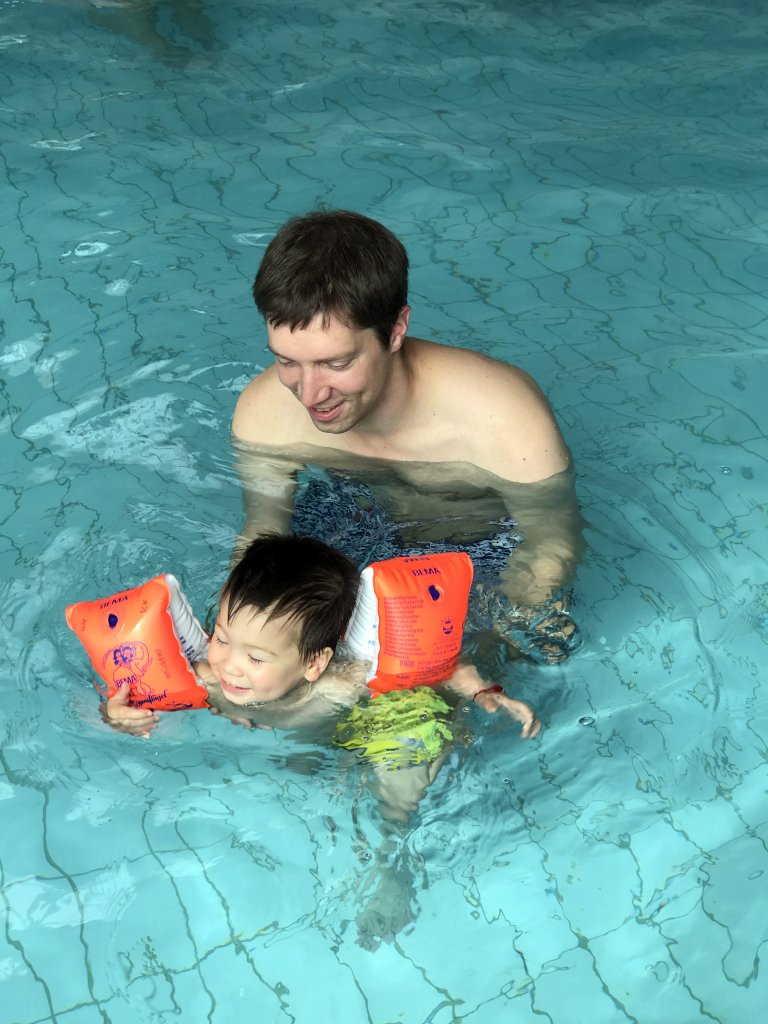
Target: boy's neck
[{"x": 297, "y": 695}]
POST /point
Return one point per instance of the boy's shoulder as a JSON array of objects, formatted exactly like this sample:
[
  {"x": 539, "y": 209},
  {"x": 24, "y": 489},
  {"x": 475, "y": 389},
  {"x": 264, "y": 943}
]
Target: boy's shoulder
[
  {"x": 340, "y": 686},
  {"x": 343, "y": 682}
]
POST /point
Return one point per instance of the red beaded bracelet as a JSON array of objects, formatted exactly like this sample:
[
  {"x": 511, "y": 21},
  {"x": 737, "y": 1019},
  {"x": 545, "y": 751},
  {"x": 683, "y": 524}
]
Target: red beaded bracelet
[{"x": 489, "y": 689}]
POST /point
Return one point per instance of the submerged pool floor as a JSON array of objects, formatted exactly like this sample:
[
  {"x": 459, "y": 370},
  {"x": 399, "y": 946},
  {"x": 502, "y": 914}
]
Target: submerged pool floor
[{"x": 582, "y": 190}]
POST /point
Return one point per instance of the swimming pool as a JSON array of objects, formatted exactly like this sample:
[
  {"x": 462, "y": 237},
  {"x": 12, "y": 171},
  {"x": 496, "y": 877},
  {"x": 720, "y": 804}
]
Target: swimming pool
[{"x": 582, "y": 190}]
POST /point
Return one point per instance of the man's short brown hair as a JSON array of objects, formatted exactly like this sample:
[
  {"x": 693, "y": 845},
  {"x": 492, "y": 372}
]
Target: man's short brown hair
[{"x": 334, "y": 264}]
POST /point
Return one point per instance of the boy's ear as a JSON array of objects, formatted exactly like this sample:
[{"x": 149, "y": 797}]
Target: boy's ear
[{"x": 317, "y": 664}]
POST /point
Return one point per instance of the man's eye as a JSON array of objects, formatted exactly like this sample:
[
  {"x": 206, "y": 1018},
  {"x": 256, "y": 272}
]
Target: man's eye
[{"x": 340, "y": 366}]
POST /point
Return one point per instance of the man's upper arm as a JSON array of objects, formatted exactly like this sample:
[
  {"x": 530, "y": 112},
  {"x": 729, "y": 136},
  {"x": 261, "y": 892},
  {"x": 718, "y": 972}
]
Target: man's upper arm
[
  {"x": 251, "y": 415},
  {"x": 525, "y": 444}
]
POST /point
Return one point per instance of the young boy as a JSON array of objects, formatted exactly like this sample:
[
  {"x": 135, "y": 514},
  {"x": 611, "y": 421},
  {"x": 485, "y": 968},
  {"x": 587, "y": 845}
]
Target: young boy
[
  {"x": 271, "y": 656},
  {"x": 271, "y": 664}
]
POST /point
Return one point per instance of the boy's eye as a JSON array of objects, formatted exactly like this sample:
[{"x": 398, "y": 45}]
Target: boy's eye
[
  {"x": 256, "y": 661},
  {"x": 218, "y": 639}
]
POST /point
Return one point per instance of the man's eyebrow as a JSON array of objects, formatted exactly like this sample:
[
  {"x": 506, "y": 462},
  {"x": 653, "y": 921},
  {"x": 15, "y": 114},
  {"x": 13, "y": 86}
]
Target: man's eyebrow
[
  {"x": 276, "y": 354},
  {"x": 340, "y": 357}
]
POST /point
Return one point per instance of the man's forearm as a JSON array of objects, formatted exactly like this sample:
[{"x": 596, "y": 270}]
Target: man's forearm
[
  {"x": 269, "y": 489},
  {"x": 551, "y": 525}
]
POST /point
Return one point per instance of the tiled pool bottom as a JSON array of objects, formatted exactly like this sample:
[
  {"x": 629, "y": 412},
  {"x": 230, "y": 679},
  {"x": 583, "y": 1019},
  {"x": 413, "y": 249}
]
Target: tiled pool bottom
[
  {"x": 582, "y": 194},
  {"x": 182, "y": 910},
  {"x": 607, "y": 867}
]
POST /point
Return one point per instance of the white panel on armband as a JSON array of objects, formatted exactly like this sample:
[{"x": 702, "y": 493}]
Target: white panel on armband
[
  {"x": 192, "y": 638},
  {"x": 361, "y": 638}
]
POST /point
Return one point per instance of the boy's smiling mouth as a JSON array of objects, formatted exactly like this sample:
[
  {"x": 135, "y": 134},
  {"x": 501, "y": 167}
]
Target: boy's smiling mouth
[{"x": 232, "y": 688}]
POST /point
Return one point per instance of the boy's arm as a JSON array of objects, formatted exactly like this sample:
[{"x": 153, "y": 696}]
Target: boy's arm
[
  {"x": 467, "y": 682},
  {"x": 204, "y": 673}
]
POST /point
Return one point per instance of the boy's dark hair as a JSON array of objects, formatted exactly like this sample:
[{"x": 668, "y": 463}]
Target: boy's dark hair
[
  {"x": 310, "y": 583},
  {"x": 333, "y": 264}
]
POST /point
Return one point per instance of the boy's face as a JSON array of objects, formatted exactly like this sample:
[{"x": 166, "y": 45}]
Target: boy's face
[{"x": 256, "y": 660}]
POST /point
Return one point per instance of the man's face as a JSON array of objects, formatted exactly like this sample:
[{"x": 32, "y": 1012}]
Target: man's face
[{"x": 338, "y": 373}]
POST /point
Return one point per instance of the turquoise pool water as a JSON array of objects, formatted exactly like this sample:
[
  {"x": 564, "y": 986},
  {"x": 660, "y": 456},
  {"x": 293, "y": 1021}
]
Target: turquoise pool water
[{"x": 582, "y": 187}]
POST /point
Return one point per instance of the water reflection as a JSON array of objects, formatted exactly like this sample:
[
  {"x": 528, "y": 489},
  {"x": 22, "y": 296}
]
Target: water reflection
[{"x": 171, "y": 30}]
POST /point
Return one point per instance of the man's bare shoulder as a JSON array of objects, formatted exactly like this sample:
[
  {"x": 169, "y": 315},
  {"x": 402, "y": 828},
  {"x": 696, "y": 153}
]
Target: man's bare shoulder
[
  {"x": 504, "y": 419},
  {"x": 446, "y": 360},
  {"x": 266, "y": 410}
]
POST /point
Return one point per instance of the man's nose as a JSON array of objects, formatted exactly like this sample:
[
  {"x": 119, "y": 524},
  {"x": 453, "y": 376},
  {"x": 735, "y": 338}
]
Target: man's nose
[{"x": 311, "y": 388}]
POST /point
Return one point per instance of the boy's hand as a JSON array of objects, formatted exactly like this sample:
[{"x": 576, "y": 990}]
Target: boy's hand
[
  {"x": 493, "y": 700},
  {"x": 245, "y": 722},
  {"x": 467, "y": 681},
  {"x": 238, "y": 720},
  {"x": 121, "y": 716}
]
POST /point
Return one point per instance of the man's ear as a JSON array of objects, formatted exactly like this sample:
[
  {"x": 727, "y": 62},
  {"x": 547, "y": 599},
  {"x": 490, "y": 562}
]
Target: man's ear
[
  {"x": 317, "y": 664},
  {"x": 400, "y": 329}
]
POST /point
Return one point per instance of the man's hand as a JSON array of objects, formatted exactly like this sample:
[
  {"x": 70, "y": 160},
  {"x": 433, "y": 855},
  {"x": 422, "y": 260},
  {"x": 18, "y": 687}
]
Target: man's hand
[{"x": 118, "y": 713}]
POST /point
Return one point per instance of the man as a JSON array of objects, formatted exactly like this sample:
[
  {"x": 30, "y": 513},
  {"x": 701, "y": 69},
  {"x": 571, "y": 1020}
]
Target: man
[
  {"x": 333, "y": 291},
  {"x": 350, "y": 388}
]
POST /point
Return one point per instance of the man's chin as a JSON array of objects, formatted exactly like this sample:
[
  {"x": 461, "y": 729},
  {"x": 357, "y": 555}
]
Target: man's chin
[
  {"x": 331, "y": 428},
  {"x": 338, "y": 425}
]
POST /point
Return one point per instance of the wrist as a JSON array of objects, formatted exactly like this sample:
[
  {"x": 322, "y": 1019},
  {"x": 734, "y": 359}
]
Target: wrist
[{"x": 488, "y": 689}]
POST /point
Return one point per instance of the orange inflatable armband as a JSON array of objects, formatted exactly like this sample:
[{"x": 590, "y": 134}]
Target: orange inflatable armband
[
  {"x": 409, "y": 619},
  {"x": 145, "y": 638}
]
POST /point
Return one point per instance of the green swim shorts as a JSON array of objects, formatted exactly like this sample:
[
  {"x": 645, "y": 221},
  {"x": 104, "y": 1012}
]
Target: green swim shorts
[{"x": 398, "y": 729}]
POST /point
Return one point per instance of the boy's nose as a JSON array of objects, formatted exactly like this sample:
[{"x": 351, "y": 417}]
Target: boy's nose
[{"x": 231, "y": 665}]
